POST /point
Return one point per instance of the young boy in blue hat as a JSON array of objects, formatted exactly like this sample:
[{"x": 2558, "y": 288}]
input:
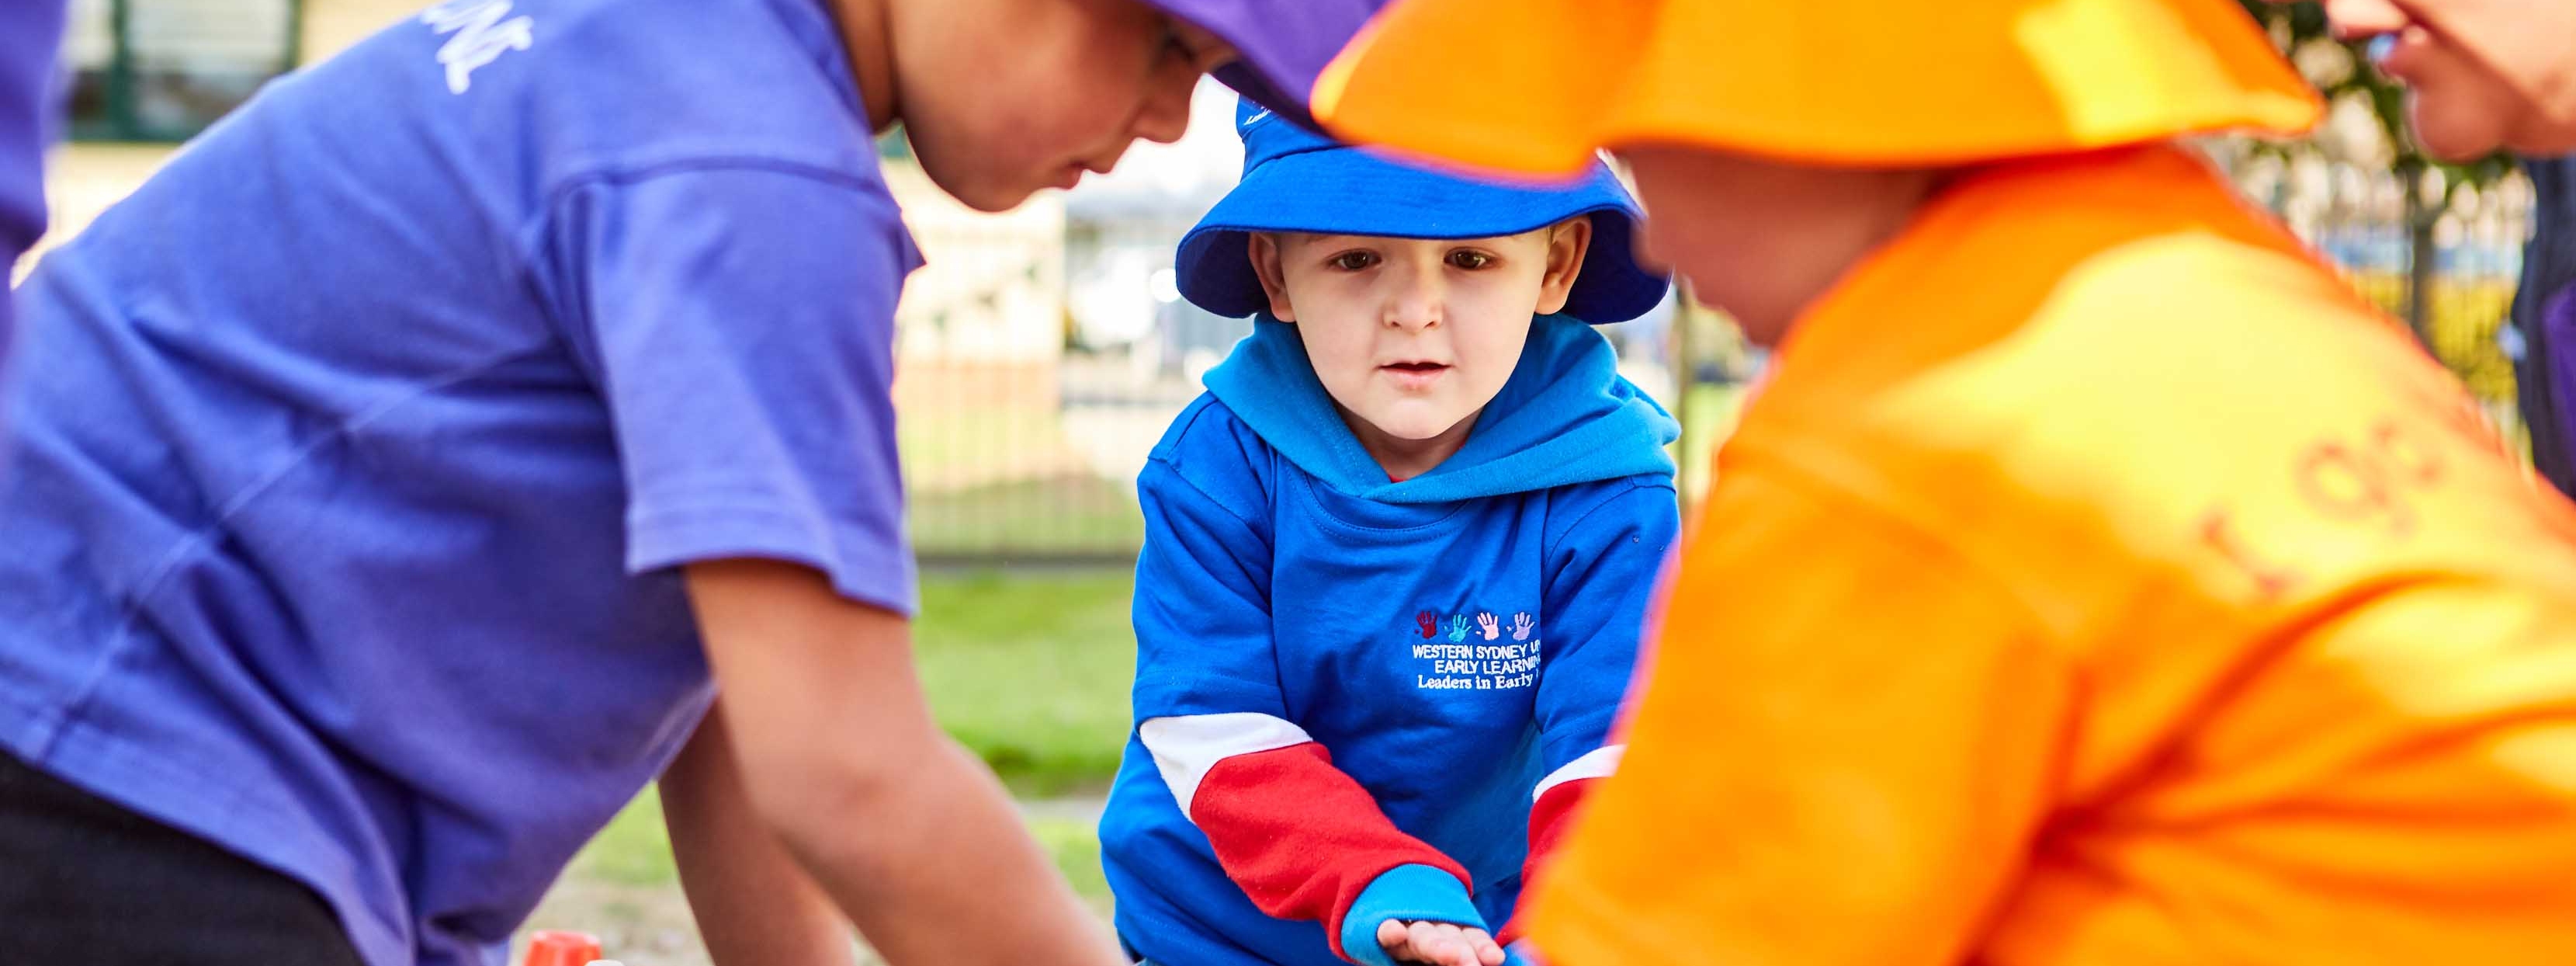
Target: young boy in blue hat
[
  {"x": 494, "y": 419},
  {"x": 1395, "y": 565}
]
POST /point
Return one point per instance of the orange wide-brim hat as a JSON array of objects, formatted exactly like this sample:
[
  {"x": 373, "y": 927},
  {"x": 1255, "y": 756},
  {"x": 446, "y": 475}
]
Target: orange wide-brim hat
[{"x": 1535, "y": 86}]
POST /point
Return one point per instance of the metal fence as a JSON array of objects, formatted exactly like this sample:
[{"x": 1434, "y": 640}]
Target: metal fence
[
  {"x": 2359, "y": 218},
  {"x": 1026, "y": 448},
  {"x": 161, "y": 70}
]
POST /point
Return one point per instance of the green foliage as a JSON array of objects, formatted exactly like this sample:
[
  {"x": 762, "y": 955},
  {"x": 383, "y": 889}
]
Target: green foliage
[{"x": 2460, "y": 328}]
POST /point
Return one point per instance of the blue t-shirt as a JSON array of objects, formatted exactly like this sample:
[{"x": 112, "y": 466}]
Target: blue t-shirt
[
  {"x": 357, "y": 449},
  {"x": 30, "y": 30}
]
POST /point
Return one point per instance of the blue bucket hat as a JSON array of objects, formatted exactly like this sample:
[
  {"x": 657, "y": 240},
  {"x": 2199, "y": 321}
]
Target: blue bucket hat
[{"x": 1296, "y": 180}]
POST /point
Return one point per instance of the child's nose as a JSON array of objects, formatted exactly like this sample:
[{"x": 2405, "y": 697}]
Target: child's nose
[
  {"x": 1416, "y": 301},
  {"x": 1165, "y": 115}
]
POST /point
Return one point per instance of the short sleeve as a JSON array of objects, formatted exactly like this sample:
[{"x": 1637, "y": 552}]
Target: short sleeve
[{"x": 741, "y": 324}]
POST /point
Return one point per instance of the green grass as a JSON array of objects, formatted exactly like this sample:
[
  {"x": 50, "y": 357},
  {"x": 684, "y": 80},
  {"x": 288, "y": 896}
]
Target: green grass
[
  {"x": 1031, "y": 672},
  {"x": 1075, "y": 847},
  {"x": 1028, "y": 671},
  {"x": 634, "y": 850}
]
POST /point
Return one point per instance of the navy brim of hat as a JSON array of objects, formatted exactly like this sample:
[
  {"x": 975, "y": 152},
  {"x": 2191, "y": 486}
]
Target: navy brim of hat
[{"x": 1345, "y": 191}]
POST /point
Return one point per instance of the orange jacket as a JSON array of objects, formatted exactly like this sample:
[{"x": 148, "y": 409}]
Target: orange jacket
[{"x": 2098, "y": 581}]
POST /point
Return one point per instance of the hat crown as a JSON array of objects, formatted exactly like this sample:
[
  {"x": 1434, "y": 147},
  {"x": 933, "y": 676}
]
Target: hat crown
[
  {"x": 1296, "y": 180},
  {"x": 1268, "y": 137}
]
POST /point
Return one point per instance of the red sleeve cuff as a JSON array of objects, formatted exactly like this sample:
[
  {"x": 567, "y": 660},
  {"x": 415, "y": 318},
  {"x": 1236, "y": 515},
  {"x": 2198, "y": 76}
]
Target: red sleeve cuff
[
  {"x": 1550, "y": 820},
  {"x": 1301, "y": 838}
]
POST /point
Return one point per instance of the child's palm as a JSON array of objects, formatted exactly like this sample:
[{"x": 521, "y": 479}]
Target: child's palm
[{"x": 1438, "y": 943}]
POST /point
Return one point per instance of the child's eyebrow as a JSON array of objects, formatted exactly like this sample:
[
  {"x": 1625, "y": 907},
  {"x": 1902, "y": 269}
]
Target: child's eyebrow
[{"x": 1339, "y": 238}]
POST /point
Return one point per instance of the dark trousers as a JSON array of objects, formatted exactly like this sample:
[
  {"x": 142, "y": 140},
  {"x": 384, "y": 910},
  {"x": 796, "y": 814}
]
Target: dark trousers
[{"x": 83, "y": 881}]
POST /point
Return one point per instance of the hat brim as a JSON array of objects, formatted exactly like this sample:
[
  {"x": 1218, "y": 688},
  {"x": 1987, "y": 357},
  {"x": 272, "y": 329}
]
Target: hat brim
[
  {"x": 1346, "y": 191},
  {"x": 1282, "y": 44},
  {"x": 1849, "y": 83}
]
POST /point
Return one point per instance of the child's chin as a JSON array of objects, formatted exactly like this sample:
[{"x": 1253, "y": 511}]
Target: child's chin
[{"x": 1414, "y": 426}]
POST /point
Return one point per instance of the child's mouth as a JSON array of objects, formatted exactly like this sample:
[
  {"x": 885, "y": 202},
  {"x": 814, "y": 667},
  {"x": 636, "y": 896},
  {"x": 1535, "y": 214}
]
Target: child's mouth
[{"x": 1414, "y": 375}]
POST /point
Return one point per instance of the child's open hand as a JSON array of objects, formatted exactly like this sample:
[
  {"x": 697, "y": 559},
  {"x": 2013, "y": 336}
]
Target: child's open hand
[{"x": 1438, "y": 943}]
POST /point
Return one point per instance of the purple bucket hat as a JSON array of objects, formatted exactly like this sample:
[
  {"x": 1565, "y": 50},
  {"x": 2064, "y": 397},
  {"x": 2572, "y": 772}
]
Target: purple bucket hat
[{"x": 1284, "y": 43}]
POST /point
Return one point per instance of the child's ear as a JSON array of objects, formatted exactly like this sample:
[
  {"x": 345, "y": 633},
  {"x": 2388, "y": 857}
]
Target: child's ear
[
  {"x": 1567, "y": 242},
  {"x": 1266, "y": 263}
]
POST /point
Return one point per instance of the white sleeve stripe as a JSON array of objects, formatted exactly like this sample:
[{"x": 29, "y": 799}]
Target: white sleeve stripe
[
  {"x": 1184, "y": 748},
  {"x": 1598, "y": 763}
]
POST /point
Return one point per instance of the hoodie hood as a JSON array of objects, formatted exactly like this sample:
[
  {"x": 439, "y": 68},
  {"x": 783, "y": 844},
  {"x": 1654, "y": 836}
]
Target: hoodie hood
[{"x": 1564, "y": 417}]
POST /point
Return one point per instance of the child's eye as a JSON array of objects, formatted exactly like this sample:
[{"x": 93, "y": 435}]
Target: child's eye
[
  {"x": 1192, "y": 47},
  {"x": 1469, "y": 260},
  {"x": 1353, "y": 261}
]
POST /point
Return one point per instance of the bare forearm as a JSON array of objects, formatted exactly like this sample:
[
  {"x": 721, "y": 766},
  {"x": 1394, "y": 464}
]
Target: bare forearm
[
  {"x": 839, "y": 754},
  {"x": 754, "y": 904},
  {"x": 940, "y": 870}
]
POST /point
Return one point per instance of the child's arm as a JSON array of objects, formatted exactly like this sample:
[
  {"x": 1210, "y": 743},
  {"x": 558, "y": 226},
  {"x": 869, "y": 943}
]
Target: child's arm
[
  {"x": 736, "y": 317},
  {"x": 1600, "y": 578},
  {"x": 754, "y": 905},
  {"x": 1301, "y": 838},
  {"x": 838, "y": 754}
]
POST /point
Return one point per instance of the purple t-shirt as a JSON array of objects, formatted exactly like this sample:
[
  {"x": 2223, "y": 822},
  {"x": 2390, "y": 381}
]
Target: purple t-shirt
[
  {"x": 357, "y": 449},
  {"x": 30, "y": 30},
  {"x": 2558, "y": 332}
]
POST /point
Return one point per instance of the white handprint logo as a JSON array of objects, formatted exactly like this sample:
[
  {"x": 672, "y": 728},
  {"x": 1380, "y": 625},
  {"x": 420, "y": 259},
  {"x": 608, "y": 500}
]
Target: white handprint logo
[
  {"x": 1522, "y": 625},
  {"x": 1487, "y": 623}
]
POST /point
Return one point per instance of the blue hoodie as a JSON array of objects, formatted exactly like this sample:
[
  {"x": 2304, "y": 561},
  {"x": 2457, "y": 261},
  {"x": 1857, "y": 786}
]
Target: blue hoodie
[{"x": 1355, "y": 695}]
